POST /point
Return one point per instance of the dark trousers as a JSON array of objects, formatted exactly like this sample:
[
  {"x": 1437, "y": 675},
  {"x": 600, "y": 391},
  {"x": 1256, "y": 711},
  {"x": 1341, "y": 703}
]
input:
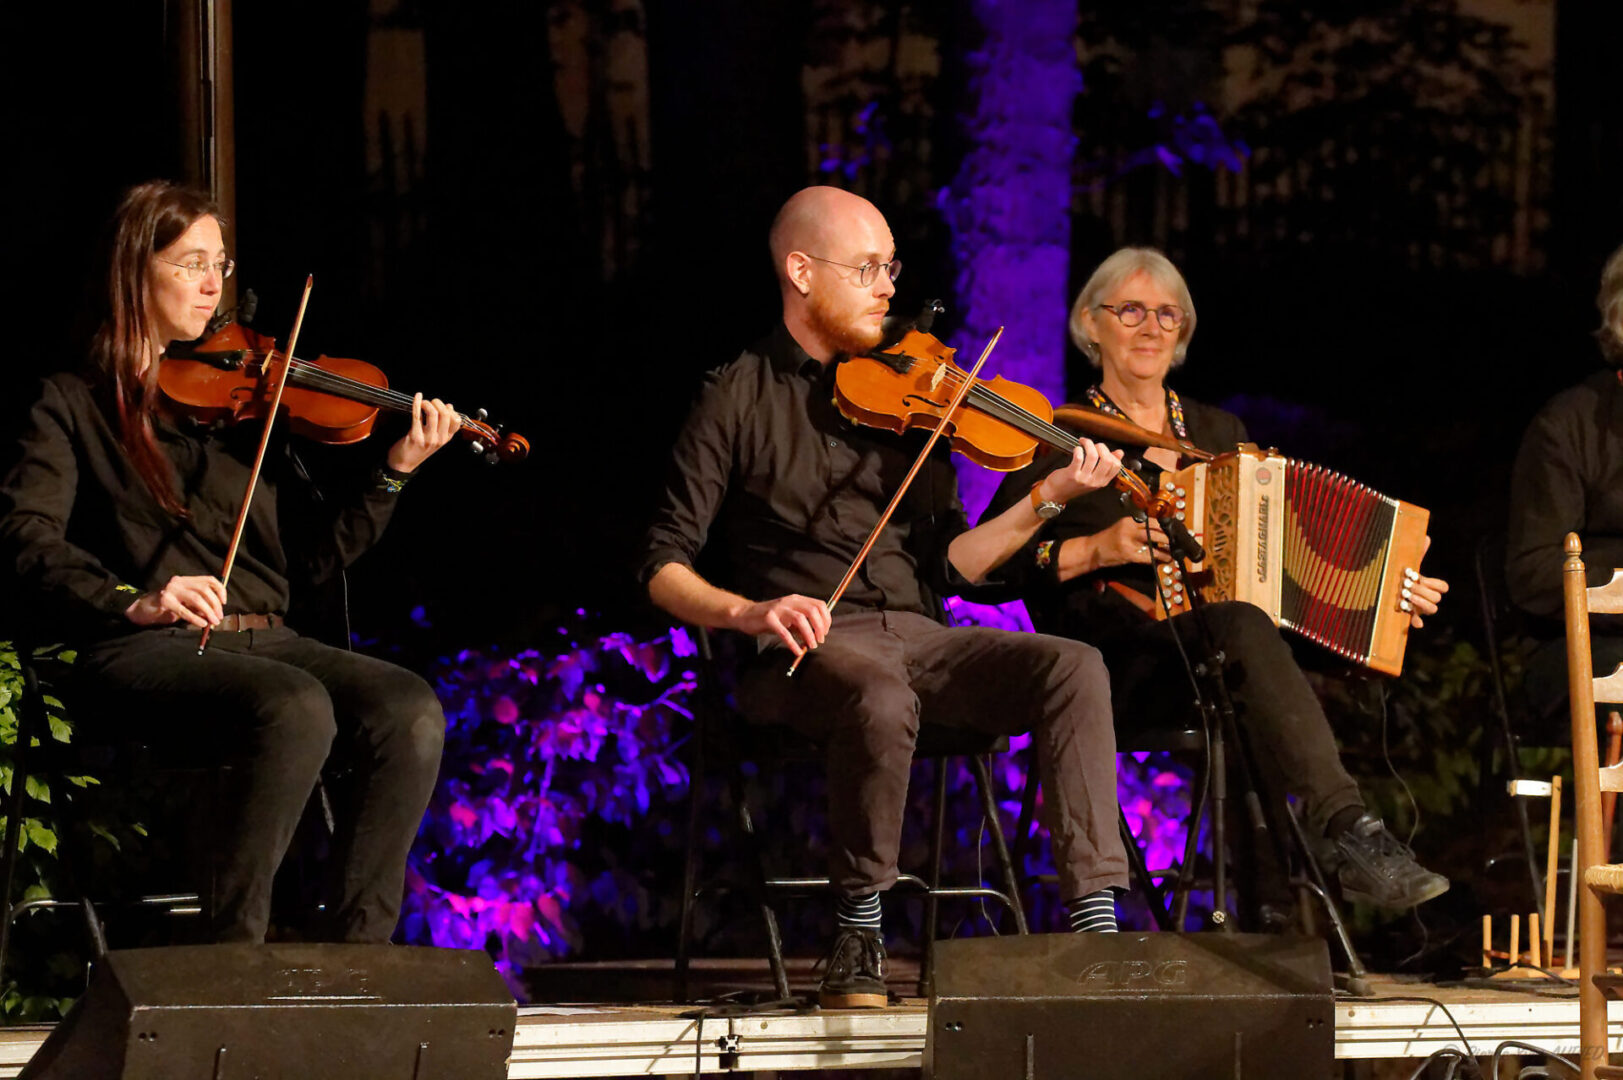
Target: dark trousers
[
  {"x": 863, "y": 692},
  {"x": 1294, "y": 747},
  {"x": 280, "y": 705}
]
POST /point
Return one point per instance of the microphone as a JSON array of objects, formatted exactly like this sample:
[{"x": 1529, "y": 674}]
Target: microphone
[
  {"x": 243, "y": 313},
  {"x": 895, "y": 327}
]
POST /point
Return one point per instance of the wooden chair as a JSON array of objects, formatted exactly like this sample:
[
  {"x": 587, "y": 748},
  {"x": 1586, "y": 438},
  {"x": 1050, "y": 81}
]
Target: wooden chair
[{"x": 1596, "y": 987}]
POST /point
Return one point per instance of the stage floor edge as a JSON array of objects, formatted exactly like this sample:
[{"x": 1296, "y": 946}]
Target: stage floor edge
[{"x": 654, "y": 1040}]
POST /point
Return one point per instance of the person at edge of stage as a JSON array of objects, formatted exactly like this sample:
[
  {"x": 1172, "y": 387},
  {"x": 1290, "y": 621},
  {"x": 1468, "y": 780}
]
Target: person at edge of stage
[
  {"x": 1568, "y": 477},
  {"x": 114, "y": 523},
  {"x": 1134, "y": 319},
  {"x": 779, "y": 493}
]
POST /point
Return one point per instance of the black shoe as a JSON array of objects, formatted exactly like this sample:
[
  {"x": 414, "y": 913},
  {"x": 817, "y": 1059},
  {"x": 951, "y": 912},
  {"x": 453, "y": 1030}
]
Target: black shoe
[
  {"x": 1379, "y": 870},
  {"x": 855, "y": 978}
]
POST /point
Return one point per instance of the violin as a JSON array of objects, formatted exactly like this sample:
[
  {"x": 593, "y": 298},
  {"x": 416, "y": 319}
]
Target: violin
[
  {"x": 330, "y": 399},
  {"x": 999, "y": 425}
]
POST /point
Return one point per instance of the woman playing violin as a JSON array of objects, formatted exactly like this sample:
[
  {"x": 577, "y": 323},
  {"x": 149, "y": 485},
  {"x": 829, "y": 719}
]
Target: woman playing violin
[
  {"x": 1134, "y": 319},
  {"x": 777, "y": 493},
  {"x": 114, "y": 525}
]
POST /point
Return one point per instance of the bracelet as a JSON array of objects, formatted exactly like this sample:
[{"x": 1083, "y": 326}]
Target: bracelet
[
  {"x": 1045, "y": 554},
  {"x": 387, "y": 480}
]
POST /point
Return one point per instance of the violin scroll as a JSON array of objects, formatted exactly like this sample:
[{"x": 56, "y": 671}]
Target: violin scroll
[{"x": 495, "y": 444}]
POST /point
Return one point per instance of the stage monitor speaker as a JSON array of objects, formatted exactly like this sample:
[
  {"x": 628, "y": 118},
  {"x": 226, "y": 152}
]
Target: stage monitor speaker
[
  {"x": 303, "y": 1012},
  {"x": 1131, "y": 1006}
]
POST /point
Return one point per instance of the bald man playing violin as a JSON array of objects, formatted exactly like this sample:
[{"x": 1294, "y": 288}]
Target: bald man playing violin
[{"x": 770, "y": 496}]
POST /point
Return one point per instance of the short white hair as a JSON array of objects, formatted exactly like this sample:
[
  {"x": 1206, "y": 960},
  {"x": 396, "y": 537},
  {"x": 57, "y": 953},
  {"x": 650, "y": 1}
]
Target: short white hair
[
  {"x": 1610, "y": 302},
  {"x": 1120, "y": 266}
]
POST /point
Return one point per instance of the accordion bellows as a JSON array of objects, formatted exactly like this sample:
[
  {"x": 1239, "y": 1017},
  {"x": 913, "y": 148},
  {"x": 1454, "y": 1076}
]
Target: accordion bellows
[{"x": 1322, "y": 554}]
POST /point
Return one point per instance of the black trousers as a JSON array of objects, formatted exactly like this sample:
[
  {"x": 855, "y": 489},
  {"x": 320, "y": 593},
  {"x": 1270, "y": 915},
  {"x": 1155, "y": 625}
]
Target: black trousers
[
  {"x": 864, "y": 690},
  {"x": 1294, "y": 747},
  {"x": 281, "y": 705}
]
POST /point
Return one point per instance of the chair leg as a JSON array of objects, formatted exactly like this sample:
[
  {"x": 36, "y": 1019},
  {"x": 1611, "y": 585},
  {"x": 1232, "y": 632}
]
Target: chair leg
[
  {"x": 938, "y": 832},
  {"x": 752, "y": 851},
  {"x": 1028, "y": 812},
  {"x": 690, "y": 870},
  {"x": 1135, "y": 865},
  {"x": 1357, "y": 981},
  {"x": 983, "y": 780}
]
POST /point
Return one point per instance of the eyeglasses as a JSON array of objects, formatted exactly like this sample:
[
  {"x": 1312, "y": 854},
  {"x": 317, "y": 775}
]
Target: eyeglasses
[
  {"x": 865, "y": 272},
  {"x": 1133, "y": 313},
  {"x": 195, "y": 269}
]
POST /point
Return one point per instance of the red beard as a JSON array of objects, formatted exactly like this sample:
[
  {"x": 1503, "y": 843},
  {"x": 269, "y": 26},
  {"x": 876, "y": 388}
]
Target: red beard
[{"x": 845, "y": 333}]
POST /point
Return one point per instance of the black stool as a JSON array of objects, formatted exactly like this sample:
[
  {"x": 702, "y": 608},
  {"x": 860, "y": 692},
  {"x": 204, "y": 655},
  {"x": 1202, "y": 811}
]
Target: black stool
[{"x": 721, "y": 733}]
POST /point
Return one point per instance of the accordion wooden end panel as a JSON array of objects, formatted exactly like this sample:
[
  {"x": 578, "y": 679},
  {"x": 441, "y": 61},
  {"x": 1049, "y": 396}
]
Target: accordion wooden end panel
[{"x": 1322, "y": 554}]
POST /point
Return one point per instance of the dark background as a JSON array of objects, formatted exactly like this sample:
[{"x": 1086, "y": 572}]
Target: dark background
[{"x": 1357, "y": 332}]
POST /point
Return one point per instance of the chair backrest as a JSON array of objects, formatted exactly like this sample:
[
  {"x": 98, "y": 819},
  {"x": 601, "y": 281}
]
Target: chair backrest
[
  {"x": 1584, "y": 689},
  {"x": 1579, "y": 601}
]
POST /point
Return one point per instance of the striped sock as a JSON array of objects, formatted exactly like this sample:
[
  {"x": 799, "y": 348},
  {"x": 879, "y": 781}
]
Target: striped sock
[
  {"x": 861, "y": 911},
  {"x": 1093, "y": 913}
]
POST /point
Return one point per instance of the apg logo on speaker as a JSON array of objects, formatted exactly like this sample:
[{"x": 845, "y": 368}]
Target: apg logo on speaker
[{"x": 1134, "y": 974}]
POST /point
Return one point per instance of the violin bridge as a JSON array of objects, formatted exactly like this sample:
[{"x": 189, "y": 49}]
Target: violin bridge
[{"x": 935, "y": 380}]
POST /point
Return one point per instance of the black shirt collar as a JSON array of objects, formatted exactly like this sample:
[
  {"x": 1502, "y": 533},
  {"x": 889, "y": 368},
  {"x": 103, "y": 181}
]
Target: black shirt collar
[{"x": 786, "y": 356}]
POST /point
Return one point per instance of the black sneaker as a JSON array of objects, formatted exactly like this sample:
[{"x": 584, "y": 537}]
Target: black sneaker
[
  {"x": 1377, "y": 869},
  {"x": 855, "y": 978}
]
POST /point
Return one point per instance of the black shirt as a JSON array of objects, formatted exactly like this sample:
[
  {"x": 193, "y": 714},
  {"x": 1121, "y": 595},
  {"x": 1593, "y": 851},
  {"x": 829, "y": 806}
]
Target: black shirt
[
  {"x": 779, "y": 492},
  {"x": 83, "y": 537},
  {"x": 1083, "y": 607},
  {"x": 1568, "y": 477}
]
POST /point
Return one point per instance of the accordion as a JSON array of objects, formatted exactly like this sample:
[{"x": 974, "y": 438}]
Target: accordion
[{"x": 1322, "y": 554}]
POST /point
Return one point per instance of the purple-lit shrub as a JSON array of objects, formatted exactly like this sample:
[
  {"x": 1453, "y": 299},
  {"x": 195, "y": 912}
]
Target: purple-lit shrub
[{"x": 542, "y": 749}]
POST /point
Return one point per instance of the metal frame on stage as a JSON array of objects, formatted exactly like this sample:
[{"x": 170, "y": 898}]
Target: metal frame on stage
[{"x": 619, "y": 1040}]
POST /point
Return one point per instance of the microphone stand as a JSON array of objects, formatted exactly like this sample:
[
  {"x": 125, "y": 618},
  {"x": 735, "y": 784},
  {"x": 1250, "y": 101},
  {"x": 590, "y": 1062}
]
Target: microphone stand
[{"x": 1218, "y": 717}]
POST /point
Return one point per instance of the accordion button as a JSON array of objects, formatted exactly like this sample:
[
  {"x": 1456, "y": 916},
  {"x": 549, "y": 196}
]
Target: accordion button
[
  {"x": 1182, "y": 493},
  {"x": 1179, "y": 515}
]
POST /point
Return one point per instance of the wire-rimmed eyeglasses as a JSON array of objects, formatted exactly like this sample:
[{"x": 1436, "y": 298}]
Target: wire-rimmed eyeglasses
[
  {"x": 1133, "y": 313},
  {"x": 866, "y": 272},
  {"x": 195, "y": 269}
]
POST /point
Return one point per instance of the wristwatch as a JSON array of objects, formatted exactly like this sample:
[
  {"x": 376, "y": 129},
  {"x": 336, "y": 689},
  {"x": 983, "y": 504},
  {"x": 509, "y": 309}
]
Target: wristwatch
[{"x": 1047, "y": 509}]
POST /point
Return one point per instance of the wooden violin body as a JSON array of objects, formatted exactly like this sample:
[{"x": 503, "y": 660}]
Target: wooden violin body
[
  {"x": 223, "y": 379},
  {"x": 910, "y": 386},
  {"x": 1000, "y": 424},
  {"x": 232, "y": 375}
]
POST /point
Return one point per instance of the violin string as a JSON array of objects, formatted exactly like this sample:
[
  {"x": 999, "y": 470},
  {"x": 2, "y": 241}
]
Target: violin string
[
  {"x": 316, "y": 377},
  {"x": 1023, "y": 419},
  {"x": 1013, "y": 414}
]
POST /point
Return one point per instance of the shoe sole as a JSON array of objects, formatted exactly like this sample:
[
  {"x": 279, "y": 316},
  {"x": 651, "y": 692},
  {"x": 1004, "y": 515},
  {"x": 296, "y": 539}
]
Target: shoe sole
[
  {"x": 828, "y": 1000},
  {"x": 1405, "y": 905}
]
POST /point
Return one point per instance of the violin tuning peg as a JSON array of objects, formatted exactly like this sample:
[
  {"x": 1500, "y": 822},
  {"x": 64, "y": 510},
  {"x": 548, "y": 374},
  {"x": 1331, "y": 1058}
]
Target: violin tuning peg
[
  {"x": 477, "y": 447},
  {"x": 481, "y": 415}
]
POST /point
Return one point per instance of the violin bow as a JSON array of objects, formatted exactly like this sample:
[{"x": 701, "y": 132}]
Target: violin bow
[
  {"x": 264, "y": 442},
  {"x": 896, "y": 500}
]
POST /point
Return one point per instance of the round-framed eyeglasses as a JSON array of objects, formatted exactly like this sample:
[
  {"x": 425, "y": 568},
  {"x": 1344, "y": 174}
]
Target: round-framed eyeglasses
[
  {"x": 196, "y": 268},
  {"x": 866, "y": 272},
  {"x": 1133, "y": 313}
]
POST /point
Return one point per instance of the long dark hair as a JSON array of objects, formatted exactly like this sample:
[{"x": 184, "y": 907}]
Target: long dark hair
[{"x": 150, "y": 217}]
